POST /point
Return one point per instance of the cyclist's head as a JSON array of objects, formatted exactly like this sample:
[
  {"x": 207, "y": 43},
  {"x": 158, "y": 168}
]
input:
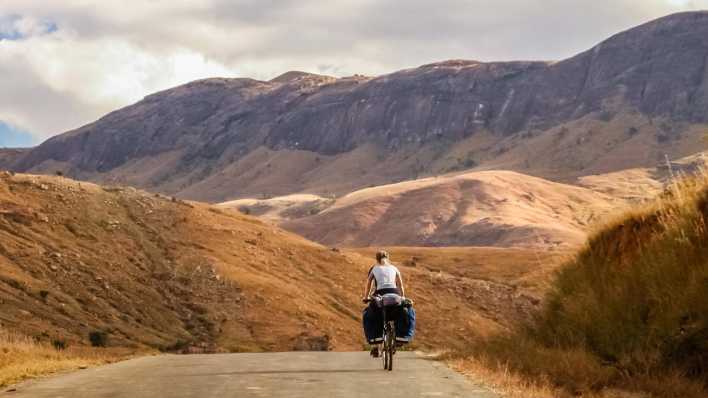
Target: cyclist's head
[{"x": 381, "y": 256}]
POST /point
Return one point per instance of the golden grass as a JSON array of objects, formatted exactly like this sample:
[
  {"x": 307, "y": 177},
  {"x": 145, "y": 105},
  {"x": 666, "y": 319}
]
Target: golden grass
[
  {"x": 517, "y": 366},
  {"x": 22, "y": 358},
  {"x": 509, "y": 383},
  {"x": 503, "y": 380},
  {"x": 629, "y": 312}
]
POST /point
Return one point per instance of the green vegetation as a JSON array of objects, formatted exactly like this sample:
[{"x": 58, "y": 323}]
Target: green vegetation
[{"x": 629, "y": 311}]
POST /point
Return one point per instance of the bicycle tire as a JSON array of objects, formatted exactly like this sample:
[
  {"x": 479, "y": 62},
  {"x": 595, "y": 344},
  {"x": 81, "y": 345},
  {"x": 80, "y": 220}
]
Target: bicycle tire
[
  {"x": 391, "y": 345},
  {"x": 384, "y": 355}
]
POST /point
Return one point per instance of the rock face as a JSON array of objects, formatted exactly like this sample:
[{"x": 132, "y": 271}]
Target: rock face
[{"x": 209, "y": 135}]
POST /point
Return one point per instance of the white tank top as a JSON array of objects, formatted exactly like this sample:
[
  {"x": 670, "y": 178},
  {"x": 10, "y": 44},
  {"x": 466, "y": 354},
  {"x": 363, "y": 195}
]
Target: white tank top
[{"x": 385, "y": 276}]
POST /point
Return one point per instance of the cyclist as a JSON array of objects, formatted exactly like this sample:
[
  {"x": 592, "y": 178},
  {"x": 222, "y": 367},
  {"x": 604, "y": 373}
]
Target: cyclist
[{"x": 384, "y": 278}]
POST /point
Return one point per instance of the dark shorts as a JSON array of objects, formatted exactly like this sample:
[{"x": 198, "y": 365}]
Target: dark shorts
[{"x": 395, "y": 290}]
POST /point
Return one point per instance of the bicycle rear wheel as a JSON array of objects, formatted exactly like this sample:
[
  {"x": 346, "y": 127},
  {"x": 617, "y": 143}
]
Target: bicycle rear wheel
[
  {"x": 391, "y": 344},
  {"x": 385, "y": 356}
]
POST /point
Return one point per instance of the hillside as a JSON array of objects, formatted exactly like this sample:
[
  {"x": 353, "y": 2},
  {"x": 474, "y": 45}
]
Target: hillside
[
  {"x": 150, "y": 271},
  {"x": 639, "y": 184},
  {"x": 487, "y": 208},
  {"x": 629, "y": 310},
  {"x": 77, "y": 258},
  {"x": 9, "y": 156},
  {"x": 497, "y": 208},
  {"x": 624, "y": 103}
]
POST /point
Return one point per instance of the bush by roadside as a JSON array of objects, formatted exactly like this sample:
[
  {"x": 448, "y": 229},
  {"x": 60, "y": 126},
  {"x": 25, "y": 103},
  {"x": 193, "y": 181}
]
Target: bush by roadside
[{"x": 630, "y": 311}]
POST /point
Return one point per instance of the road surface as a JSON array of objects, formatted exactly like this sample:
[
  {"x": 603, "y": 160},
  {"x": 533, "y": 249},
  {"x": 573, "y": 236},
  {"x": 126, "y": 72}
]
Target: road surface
[{"x": 292, "y": 375}]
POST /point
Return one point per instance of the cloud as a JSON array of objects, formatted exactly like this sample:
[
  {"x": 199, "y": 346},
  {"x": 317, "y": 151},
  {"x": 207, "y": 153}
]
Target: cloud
[{"x": 67, "y": 63}]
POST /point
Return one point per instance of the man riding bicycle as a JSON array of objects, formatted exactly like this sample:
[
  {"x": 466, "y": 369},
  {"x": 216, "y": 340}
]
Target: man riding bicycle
[{"x": 384, "y": 279}]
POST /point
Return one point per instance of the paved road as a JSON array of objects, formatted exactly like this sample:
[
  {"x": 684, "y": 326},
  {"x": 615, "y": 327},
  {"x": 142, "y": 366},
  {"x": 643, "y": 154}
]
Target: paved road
[{"x": 292, "y": 375}]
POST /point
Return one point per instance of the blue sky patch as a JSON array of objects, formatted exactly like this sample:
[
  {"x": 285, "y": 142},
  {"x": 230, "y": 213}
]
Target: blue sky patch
[
  {"x": 10, "y": 29},
  {"x": 11, "y": 137}
]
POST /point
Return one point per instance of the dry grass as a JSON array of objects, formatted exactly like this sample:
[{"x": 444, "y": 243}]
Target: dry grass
[
  {"x": 630, "y": 311},
  {"x": 22, "y": 357},
  {"x": 502, "y": 380},
  {"x": 519, "y": 366},
  {"x": 636, "y": 295}
]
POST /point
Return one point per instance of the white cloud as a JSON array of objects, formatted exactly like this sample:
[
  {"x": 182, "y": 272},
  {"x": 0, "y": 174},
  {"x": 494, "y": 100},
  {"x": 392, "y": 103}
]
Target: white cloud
[
  {"x": 78, "y": 59},
  {"x": 83, "y": 79}
]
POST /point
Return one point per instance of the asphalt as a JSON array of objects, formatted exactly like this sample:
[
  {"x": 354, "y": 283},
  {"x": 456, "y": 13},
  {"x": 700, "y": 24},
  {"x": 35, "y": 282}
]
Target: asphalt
[{"x": 291, "y": 374}]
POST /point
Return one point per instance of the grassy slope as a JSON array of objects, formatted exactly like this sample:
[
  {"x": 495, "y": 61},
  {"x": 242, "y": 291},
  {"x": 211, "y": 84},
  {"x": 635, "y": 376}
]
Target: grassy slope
[
  {"x": 630, "y": 310},
  {"x": 155, "y": 273},
  {"x": 152, "y": 272}
]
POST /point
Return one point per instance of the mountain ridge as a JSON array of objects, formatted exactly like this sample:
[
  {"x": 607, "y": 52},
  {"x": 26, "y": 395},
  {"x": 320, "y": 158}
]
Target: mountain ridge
[{"x": 217, "y": 139}]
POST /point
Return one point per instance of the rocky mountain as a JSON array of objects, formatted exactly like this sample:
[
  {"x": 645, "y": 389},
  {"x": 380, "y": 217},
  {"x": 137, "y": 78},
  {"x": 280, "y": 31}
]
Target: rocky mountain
[{"x": 624, "y": 103}]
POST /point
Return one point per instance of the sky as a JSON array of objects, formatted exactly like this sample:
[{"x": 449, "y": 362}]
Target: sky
[
  {"x": 66, "y": 63},
  {"x": 12, "y": 138}
]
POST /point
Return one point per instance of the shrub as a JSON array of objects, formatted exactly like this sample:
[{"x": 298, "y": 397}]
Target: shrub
[
  {"x": 469, "y": 163},
  {"x": 98, "y": 338},
  {"x": 59, "y": 344}
]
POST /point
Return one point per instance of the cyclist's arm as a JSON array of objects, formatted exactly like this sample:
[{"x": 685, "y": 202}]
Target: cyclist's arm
[
  {"x": 369, "y": 282},
  {"x": 400, "y": 283}
]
